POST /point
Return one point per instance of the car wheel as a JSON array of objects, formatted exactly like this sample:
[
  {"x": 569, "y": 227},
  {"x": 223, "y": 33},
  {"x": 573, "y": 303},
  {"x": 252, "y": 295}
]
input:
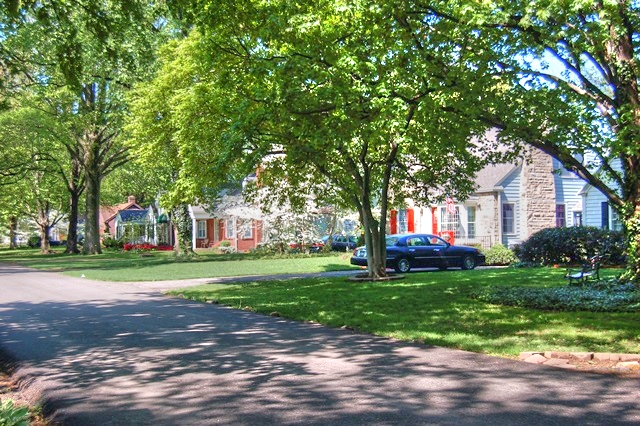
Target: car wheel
[
  {"x": 468, "y": 262},
  {"x": 403, "y": 265}
]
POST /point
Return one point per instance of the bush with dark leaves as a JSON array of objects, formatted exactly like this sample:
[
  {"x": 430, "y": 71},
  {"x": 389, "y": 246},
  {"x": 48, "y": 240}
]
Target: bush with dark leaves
[
  {"x": 572, "y": 245},
  {"x": 601, "y": 297}
]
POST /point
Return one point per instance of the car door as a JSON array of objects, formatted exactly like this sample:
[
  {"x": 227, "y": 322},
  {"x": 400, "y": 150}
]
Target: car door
[
  {"x": 435, "y": 252},
  {"x": 418, "y": 250}
]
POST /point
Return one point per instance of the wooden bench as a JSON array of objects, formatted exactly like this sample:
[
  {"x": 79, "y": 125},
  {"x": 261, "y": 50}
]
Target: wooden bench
[{"x": 589, "y": 271}]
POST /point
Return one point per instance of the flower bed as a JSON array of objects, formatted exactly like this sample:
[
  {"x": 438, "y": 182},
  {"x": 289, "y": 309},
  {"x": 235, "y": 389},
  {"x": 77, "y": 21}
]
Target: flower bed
[{"x": 146, "y": 247}]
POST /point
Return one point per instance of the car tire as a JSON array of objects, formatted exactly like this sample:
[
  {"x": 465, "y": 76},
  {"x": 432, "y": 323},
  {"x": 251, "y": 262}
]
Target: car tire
[
  {"x": 403, "y": 265},
  {"x": 468, "y": 262}
]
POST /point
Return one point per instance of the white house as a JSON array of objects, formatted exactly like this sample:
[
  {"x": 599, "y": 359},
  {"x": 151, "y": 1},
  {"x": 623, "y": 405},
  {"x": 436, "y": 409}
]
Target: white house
[{"x": 511, "y": 202}]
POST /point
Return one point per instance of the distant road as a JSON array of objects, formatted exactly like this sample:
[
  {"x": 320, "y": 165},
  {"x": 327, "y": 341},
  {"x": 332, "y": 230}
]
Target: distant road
[{"x": 119, "y": 354}]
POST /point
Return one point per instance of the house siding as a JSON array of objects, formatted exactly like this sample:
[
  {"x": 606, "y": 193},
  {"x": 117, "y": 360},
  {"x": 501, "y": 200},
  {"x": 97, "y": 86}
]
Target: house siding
[
  {"x": 592, "y": 200},
  {"x": 592, "y": 207},
  {"x": 568, "y": 187}
]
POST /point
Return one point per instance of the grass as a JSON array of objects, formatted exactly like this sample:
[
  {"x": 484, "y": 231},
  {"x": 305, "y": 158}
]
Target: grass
[
  {"x": 160, "y": 265},
  {"x": 428, "y": 307},
  {"x": 436, "y": 308}
]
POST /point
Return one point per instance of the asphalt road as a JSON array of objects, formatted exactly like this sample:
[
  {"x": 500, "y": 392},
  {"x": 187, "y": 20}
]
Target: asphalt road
[{"x": 117, "y": 354}]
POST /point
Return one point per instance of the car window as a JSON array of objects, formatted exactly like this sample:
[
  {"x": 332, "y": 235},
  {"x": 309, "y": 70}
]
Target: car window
[
  {"x": 391, "y": 241},
  {"x": 416, "y": 241},
  {"x": 437, "y": 241}
]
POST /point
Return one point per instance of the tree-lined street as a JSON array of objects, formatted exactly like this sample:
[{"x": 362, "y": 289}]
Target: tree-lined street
[{"x": 113, "y": 353}]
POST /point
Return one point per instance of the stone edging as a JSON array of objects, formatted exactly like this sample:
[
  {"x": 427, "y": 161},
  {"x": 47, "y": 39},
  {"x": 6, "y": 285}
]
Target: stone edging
[{"x": 561, "y": 359}]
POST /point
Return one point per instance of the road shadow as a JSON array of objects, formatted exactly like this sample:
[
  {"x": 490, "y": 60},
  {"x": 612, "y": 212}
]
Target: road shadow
[{"x": 141, "y": 358}]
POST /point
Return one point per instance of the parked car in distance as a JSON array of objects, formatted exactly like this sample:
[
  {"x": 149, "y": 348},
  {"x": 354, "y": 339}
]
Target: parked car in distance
[
  {"x": 341, "y": 242},
  {"x": 312, "y": 247},
  {"x": 407, "y": 251}
]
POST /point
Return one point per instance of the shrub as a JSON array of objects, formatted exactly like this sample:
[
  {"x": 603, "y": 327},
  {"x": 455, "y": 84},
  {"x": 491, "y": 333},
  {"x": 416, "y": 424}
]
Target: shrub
[
  {"x": 498, "y": 254},
  {"x": 225, "y": 243},
  {"x": 33, "y": 241},
  {"x": 226, "y": 249},
  {"x": 111, "y": 243},
  {"x": 572, "y": 245},
  {"x": 13, "y": 415},
  {"x": 599, "y": 298}
]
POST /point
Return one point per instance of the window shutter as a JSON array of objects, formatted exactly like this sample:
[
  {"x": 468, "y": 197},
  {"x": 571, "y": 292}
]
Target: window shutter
[
  {"x": 393, "y": 221},
  {"x": 410, "y": 221}
]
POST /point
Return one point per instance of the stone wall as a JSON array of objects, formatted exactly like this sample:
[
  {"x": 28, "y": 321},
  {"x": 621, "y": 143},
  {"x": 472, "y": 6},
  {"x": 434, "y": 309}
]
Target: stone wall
[{"x": 538, "y": 199}]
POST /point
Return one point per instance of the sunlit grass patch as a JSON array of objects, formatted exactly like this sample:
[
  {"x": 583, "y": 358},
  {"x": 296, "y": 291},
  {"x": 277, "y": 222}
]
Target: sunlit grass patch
[{"x": 436, "y": 308}]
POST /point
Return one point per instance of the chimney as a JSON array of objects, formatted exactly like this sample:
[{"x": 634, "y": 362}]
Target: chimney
[{"x": 131, "y": 199}]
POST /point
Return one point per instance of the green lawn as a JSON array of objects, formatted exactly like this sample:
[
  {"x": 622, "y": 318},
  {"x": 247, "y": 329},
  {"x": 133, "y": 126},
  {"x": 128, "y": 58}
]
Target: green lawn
[
  {"x": 117, "y": 266},
  {"x": 435, "y": 308},
  {"x": 427, "y": 307}
]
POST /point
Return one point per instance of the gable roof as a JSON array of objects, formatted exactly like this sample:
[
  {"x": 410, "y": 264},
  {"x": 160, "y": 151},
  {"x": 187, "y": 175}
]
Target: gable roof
[
  {"x": 108, "y": 213},
  {"x": 492, "y": 175},
  {"x": 132, "y": 215}
]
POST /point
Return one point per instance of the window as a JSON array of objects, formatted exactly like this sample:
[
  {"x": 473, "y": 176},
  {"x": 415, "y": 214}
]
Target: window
[
  {"x": 604, "y": 209},
  {"x": 450, "y": 222},
  {"x": 202, "y": 229},
  {"x": 247, "y": 230},
  {"x": 577, "y": 218},
  {"x": 471, "y": 222},
  {"x": 508, "y": 218},
  {"x": 402, "y": 221},
  {"x": 561, "y": 220},
  {"x": 616, "y": 223},
  {"x": 229, "y": 229}
]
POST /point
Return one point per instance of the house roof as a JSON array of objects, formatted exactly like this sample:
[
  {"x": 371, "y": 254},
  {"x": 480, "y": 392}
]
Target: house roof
[
  {"x": 108, "y": 213},
  {"x": 492, "y": 175},
  {"x": 132, "y": 215}
]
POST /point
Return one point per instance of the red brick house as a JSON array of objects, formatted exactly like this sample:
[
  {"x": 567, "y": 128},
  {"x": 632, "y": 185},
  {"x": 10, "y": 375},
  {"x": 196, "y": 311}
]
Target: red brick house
[
  {"x": 107, "y": 215},
  {"x": 209, "y": 229}
]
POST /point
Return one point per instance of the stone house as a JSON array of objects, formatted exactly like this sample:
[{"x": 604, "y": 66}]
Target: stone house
[{"x": 511, "y": 202}]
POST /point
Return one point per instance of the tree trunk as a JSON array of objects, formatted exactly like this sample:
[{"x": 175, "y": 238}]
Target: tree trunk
[
  {"x": 13, "y": 232},
  {"x": 92, "y": 227},
  {"x": 44, "y": 226},
  {"x": 376, "y": 249},
  {"x": 331, "y": 230},
  {"x": 72, "y": 233},
  {"x": 75, "y": 188},
  {"x": 45, "y": 246},
  {"x": 183, "y": 230}
]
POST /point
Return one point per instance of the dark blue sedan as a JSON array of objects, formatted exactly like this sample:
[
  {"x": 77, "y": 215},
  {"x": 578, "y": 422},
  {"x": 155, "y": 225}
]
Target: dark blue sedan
[{"x": 406, "y": 251}]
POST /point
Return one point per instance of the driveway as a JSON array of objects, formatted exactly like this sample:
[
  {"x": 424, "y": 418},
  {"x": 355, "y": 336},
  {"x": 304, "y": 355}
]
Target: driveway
[{"x": 117, "y": 354}]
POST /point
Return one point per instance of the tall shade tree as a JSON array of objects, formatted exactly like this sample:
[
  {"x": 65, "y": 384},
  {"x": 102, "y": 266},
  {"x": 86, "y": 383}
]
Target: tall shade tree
[
  {"x": 340, "y": 98},
  {"x": 31, "y": 191},
  {"x": 94, "y": 51},
  {"x": 573, "y": 72},
  {"x": 153, "y": 131}
]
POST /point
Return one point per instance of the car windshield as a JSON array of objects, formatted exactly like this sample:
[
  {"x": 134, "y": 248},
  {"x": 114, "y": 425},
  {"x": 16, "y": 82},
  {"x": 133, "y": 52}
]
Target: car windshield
[{"x": 391, "y": 241}]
